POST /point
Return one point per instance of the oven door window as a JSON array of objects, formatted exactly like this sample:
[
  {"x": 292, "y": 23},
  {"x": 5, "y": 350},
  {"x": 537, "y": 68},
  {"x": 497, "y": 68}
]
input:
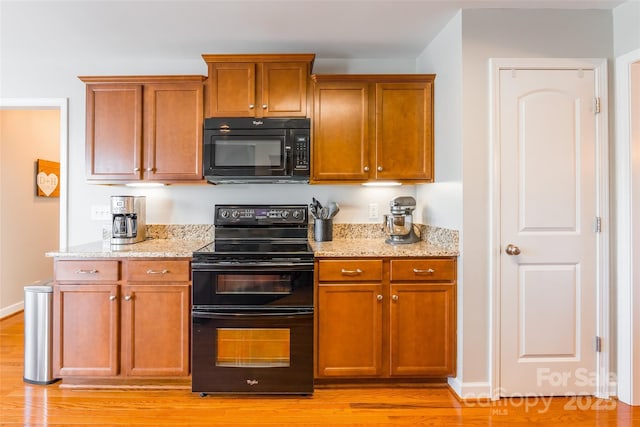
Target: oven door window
[
  {"x": 262, "y": 283},
  {"x": 253, "y": 348},
  {"x": 253, "y": 288}
]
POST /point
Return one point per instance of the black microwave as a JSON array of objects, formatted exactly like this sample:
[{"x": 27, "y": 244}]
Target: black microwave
[{"x": 250, "y": 150}]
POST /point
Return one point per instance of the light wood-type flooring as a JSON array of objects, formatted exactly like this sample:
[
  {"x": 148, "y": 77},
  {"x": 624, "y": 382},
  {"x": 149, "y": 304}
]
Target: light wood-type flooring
[{"x": 22, "y": 404}]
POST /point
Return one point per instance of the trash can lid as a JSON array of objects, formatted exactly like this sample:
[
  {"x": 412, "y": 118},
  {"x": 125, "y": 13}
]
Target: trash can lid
[{"x": 39, "y": 289}]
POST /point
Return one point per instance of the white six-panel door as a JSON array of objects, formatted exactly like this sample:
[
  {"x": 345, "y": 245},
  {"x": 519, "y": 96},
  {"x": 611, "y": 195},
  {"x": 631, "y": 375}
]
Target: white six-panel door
[{"x": 548, "y": 215}]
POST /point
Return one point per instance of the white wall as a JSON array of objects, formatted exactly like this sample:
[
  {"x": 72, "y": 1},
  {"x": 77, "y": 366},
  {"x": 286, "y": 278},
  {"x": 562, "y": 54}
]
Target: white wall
[
  {"x": 29, "y": 225},
  {"x": 441, "y": 202},
  {"x": 627, "y": 199},
  {"x": 502, "y": 33},
  {"x": 626, "y": 31}
]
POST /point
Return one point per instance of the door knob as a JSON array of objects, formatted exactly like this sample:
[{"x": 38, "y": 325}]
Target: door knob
[{"x": 512, "y": 250}]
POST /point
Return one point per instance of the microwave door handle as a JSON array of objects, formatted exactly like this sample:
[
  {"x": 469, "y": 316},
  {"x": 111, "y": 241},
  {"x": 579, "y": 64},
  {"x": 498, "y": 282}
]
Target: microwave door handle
[{"x": 288, "y": 160}]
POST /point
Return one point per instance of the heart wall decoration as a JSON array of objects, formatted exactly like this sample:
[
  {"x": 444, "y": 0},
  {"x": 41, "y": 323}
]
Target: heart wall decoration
[{"x": 48, "y": 178}]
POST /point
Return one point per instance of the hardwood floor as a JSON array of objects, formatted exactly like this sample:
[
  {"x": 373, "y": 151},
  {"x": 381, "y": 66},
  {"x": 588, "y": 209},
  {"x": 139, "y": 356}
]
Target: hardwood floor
[{"x": 22, "y": 404}]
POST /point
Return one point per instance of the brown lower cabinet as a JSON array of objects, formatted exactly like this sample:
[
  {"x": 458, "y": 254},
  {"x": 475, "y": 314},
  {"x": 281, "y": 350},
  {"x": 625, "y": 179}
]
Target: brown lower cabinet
[
  {"x": 121, "y": 318},
  {"x": 386, "y": 318}
]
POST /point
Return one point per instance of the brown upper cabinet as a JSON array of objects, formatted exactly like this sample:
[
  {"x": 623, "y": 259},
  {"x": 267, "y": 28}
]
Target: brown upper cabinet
[
  {"x": 268, "y": 85},
  {"x": 372, "y": 128},
  {"x": 144, "y": 128}
]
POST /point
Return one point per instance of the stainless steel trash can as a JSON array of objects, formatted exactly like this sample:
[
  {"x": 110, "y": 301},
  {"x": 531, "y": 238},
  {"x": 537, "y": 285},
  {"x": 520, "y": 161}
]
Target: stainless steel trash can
[{"x": 38, "y": 348}]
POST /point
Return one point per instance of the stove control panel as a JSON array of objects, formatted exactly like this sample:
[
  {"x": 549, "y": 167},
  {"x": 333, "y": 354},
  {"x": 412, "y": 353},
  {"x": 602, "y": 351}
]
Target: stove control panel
[{"x": 260, "y": 214}]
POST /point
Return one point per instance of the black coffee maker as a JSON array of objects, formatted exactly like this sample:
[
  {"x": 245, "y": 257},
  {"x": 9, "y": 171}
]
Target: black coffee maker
[{"x": 127, "y": 219}]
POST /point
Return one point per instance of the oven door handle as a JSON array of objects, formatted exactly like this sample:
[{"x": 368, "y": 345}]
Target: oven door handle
[
  {"x": 256, "y": 266},
  {"x": 262, "y": 314}
]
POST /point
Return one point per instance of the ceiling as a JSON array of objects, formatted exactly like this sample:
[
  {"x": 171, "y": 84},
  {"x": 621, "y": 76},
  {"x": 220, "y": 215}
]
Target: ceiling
[{"x": 328, "y": 28}]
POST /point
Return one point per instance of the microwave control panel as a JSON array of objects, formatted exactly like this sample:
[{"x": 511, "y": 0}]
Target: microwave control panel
[{"x": 301, "y": 150}]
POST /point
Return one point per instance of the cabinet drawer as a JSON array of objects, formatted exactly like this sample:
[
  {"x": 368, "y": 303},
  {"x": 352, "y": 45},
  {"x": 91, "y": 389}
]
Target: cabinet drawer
[
  {"x": 158, "y": 271},
  {"x": 87, "y": 271},
  {"x": 350, "y": 270},
  {"x": 424, "y": 270}
]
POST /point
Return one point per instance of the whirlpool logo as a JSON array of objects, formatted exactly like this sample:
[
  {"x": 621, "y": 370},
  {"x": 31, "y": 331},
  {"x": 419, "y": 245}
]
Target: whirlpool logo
[
  {"x": 252, "y": 382},
  {"x": 258, "y": 122}
]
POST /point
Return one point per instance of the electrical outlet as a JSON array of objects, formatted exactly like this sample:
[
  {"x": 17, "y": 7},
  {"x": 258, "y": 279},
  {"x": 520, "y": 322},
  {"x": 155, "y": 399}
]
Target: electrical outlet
[
  {"x": 100, "y": 212},
  {"x": 373, "y": 211}
]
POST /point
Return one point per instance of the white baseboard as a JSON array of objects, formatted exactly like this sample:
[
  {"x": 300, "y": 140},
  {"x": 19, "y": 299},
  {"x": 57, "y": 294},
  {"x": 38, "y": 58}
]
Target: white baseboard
[
  {"x": 14, "y": 308},
  {"x": 470, "y": 390}
]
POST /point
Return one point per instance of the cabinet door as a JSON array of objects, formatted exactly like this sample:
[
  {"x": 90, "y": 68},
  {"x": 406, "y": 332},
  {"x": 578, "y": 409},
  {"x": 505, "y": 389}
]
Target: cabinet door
[
  {"x": 114, "y": 132},
  {"x": 404, "y": 131},
  {"x": 422, "y": 332},
  {"x": 86, "y": 326},
  {"x": 283, "y": 89},
  {"x": 155, "y": 329},
  {"x": 340, "y": 132},
  {"x": 173, "y": 131},
  {"x": 349, "y": 320},
  {"x": 232, "y": 89}
]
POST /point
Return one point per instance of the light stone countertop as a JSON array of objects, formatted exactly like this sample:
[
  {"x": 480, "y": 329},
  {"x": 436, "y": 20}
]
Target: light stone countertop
[
  {"x": 376, "y": 247},
  {"x": 349, "y": 240},
  {"x": 152, "y": 248}
]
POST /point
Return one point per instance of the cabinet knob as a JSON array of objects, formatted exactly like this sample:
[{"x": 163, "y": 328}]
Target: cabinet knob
[
  {"x": 150, "y": 169},
  {"x": 127, "y": 297},
  {"x": 379, "y": 168},
  {"x": 136, "y": 169},
  {"x": 366, "y": 168},
  {"x": 251, "y": 106},
  {"x": 264, "y": 106},
  {"x": 379, "y": 297},
  {"x": 394, "y": 297},
  {"x": 112, "y": 297}
]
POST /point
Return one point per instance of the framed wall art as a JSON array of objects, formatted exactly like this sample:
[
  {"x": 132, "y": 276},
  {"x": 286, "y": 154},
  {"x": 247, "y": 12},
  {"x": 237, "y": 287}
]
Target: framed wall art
[{"x": 48, "y": 178}]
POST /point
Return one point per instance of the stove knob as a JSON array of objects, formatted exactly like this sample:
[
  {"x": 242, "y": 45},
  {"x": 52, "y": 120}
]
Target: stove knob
[
  {"x": 235, "y": 214},
  {"x": 297, "y": 214},
  {"x": 285, "y": 214},
  {"x": 224, "y": 213}
]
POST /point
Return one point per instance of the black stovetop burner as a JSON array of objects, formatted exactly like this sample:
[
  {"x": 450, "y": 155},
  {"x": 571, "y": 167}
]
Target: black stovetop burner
[{"x": 261, "y": 232}]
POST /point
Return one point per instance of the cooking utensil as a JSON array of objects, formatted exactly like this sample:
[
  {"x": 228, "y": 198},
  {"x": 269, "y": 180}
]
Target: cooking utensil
[{"x": 333, "y": 209}]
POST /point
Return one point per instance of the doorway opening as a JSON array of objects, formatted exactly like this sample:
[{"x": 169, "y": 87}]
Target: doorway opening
[{"x": 33, "y": 129}]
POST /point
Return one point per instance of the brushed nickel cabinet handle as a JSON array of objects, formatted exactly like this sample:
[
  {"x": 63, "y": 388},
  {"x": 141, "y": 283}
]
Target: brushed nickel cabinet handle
[
  {"x": 355, "y": 272},
  {"x": 427, "y": 271},
  {"x": 165, "y": 271},
  {"x": 93, "y": 271}
]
